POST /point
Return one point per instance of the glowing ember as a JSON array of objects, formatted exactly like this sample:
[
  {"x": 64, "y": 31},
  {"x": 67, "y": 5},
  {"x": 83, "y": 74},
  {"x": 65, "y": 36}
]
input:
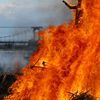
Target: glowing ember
[{"x": 68, "y": 60}]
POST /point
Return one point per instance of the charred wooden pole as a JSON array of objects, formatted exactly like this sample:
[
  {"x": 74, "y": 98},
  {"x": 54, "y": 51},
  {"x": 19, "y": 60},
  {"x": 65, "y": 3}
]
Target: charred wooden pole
[{"x": 76, "y": 7}]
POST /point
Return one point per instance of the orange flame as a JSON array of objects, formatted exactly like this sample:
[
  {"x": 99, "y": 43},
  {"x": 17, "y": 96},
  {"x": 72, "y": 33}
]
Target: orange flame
[{"x": 67, "y": 60}]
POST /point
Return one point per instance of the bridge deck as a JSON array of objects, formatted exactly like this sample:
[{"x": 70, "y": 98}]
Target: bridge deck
[
  {"x": 14, "y": 41},
  {"x": 17, "y": 45}
]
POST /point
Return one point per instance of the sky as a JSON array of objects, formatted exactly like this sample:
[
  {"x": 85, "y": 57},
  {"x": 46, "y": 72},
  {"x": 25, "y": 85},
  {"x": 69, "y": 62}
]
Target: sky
[{"x": 32, "y": 13}]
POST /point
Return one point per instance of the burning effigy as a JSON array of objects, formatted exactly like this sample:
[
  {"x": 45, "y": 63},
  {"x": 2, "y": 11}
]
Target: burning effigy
[{"x": 68, "y": 60}]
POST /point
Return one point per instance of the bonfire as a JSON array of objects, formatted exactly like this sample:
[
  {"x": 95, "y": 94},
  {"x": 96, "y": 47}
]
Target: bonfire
[{"x": 68, "y": 60}]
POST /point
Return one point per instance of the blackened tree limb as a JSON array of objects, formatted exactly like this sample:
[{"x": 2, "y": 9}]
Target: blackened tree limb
[{"x": 69, "y": 5}]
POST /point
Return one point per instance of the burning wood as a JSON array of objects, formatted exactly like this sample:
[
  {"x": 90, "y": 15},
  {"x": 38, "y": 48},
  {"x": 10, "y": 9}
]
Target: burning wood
[
  {"x": 81, "y": 96},
  {"x": 6, "y": 81},
  {"x": 77, "y": 8},
  {"x": 72, "y": 56}
]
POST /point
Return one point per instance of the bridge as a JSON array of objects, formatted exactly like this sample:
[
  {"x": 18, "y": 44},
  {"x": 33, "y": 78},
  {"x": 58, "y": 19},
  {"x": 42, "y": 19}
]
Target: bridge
[{"x": 25, "y": 39}]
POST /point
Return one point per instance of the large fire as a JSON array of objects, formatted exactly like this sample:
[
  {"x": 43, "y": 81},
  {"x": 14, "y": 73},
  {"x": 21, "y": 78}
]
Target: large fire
[{"x": 68, "y": 60}]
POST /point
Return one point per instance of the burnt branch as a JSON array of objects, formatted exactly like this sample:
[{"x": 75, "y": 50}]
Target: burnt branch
[
  {"x": 69, "y": 5},
  {"x": 81, "y": 96}
]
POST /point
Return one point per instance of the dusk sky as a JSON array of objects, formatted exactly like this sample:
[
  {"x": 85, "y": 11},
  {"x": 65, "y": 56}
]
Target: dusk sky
[{"x": 32, "y": 13}]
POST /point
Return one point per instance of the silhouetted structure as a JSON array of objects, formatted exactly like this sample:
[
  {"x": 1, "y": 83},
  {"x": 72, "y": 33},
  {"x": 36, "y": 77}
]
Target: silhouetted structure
[{"x": 19, "y": 44}]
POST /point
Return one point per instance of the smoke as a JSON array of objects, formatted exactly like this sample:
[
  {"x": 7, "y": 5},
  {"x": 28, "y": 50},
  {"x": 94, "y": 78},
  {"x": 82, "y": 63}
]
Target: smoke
[{"x": 12, "y": 60}]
